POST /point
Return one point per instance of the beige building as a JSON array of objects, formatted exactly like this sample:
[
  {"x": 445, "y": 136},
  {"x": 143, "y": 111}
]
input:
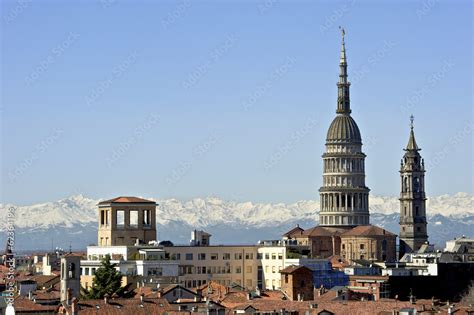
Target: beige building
[
  {"x": 222, "y": 264},
  {"x": 126, "y": 221},
  {"x": 249, "y": 266}
]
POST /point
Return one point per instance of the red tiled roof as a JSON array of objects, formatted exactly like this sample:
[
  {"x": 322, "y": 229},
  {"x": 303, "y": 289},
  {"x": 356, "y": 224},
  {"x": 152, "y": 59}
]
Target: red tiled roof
[
  {"x": 367, "y": 230},
  {"x": 43, "y": 280},
  {"x": 23, "y": 304},
  {"x": 124, "y": 199},
  {"x": 294, "y": 268},
  {"x": 123, "y": 306},
  {"x": 318, "y": 231},
  {"x": 296, "y": 231}
]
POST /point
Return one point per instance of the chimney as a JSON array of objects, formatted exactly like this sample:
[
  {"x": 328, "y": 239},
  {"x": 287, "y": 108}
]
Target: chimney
[
  {"x": 106, "y": 298},
  {"x": 30, "y": 295},
  {"x": 74, "y": 307}
]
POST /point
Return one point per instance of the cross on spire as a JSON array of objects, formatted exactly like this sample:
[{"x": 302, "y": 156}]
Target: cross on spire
[{"x": 412, "y": 119}]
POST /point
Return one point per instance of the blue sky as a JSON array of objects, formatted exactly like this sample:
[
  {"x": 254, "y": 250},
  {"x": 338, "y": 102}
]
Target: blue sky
[{"x": 192, "y": 99}]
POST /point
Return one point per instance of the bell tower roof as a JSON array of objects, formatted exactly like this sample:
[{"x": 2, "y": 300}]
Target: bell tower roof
[{"x": 412, "y": 146}]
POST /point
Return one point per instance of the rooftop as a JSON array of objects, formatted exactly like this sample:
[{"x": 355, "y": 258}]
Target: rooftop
[
  {"x": 125, "y": 199},
  {"x": 367, "y": 230}
]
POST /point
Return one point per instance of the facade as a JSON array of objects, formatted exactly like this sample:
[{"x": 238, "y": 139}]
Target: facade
[
  {"x": 222, "y": 264},
  {"x": 323, "y": 273},
  {"x": 70, "y": 277},
  {"x": 136, "y": 263},
  {"x": 372, "y": 288},
  {"x": 126, "y": 221},
  {"x": 461, "y": 244},
  {"x": 297, "y": 283},
  {"x": 413, "y": 230},
  {"x": 368, "y": 242},
  {"x": 344, "y": 196}
]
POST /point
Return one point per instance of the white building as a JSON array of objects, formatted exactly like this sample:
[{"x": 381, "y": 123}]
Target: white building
[
  {"x": 454, "y": 246},
  {"x": 131, "y": 261}
]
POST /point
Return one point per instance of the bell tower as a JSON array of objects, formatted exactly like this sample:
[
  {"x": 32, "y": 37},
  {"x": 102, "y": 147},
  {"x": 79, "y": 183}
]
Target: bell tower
[{"x": 413, "y": 232}]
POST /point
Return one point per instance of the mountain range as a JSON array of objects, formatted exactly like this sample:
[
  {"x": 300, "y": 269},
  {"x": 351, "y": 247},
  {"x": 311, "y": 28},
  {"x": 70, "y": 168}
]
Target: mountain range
[{"x": 72, "y": 221}]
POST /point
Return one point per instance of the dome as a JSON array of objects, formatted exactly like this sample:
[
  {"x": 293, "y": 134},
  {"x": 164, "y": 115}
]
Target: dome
[{"x": 344, "y": 129}]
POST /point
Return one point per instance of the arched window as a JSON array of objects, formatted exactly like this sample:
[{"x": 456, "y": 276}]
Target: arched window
[
  {"x": 72, "y": 270},
  {"x": 405, "y": 184},
  {"x": 416, "y": 184}
]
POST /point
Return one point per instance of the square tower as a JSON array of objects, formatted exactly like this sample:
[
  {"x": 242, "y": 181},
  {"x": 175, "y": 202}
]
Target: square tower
[
  {"x": 126, "y": 221},
  {"x": 70, "y": 277}
]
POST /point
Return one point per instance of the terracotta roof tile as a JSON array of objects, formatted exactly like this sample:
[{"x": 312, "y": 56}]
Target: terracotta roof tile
[
  {"x": 294, "y": 268},
  {"x": 294, "y": 232},
  {"x": 367, "y": 230},
  {"x": 124, "y": 199}
]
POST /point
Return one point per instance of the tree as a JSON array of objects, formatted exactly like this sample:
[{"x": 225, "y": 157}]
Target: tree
[{"x": 107, "y": 280}]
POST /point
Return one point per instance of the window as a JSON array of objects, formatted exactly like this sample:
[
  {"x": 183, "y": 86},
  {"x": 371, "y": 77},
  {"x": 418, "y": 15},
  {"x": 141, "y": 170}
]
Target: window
[
  {"x": 238, "y": 256},
  {"x": 343, "y": 246},
  {"x": 214, "y": 256},
  {"x": 280, "y": 256},
  {"x": 248, "y": 269},
  {"x": 86, "y": 271},
  {"x": 238, "y": 269},
  {"x": 147, "y": 218},
  {"x": 189, "y": 256},
  {"x": 362, "y": 246},
  {"x": 120, "y": 218},
  {"x": 273, "y": 269},
  {"x": 259, "y": 255},
  {"x": 405, "y": 211},
  {"x": 102, "y": 217},
  {"x": 274, "y": 256},
  {"x": 226, "y": 256},
  {"x": 267, "y": 256},
  {"x": 249, "y": 256},
  {"x": 202, "y": 256},
  {"x": 417, "y": 209},
  {"x": 133, "y": 218},
  {"x": 155, "y": 271},
  {"x": 416, "y": 184}
]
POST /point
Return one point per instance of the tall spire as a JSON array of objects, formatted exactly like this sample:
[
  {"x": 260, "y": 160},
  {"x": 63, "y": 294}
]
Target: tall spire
[
  {"x": 343, "y": 100},
  {"x": 412, "y": 146}
]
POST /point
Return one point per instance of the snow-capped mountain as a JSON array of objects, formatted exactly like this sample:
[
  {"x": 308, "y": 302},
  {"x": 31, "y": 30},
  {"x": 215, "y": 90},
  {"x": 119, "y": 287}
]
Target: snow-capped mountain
[{"x": 73, "y": 220}]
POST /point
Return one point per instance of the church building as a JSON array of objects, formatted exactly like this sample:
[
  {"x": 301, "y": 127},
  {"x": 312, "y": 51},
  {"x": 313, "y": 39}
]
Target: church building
[{"x": 344, "y": 221}]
